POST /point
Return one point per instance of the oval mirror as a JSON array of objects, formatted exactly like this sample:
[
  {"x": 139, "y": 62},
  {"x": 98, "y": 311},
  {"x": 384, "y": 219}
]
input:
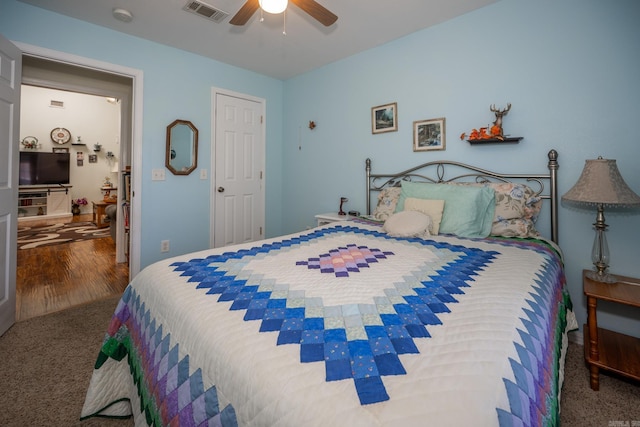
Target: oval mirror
[{"x": 182, "y": 147}]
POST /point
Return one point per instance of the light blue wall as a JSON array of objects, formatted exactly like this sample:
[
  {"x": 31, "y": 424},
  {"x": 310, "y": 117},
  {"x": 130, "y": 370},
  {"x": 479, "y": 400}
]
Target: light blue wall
[
  {"x": 571, "y": 70},
  {"x": 177, "y": 85}
]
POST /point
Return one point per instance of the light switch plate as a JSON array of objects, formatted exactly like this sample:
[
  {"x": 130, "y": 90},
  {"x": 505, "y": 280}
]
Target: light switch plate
[{"x": 157, "y": 174}]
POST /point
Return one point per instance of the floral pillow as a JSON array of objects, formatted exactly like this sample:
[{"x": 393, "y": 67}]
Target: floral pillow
[
  {"x": 387, "y": 200},
  {"x": 516, "y": 201},
  {"x": 517, "y": 209},
  {"x": 516, "y": 227}
]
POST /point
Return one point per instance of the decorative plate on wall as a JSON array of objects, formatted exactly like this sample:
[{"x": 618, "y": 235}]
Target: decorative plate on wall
[{"x": 60, "y": 135}]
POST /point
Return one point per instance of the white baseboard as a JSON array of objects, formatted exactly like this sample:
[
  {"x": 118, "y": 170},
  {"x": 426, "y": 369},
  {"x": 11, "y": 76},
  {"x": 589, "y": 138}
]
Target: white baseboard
[
  {"x": 576, "y": 337},
  {"x": 44, "y": 217}
]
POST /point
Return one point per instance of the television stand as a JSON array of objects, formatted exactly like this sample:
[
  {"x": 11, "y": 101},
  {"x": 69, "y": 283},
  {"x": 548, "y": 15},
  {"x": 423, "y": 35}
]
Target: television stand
[{"x": 44, "y": 202}]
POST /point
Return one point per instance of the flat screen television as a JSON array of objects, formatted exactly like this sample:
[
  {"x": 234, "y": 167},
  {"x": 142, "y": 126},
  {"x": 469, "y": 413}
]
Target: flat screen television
[{"x": 40, "y": 168}]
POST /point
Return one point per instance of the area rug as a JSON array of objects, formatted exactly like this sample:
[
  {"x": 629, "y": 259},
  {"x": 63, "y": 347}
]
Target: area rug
[{"x": 33, "y": 237}]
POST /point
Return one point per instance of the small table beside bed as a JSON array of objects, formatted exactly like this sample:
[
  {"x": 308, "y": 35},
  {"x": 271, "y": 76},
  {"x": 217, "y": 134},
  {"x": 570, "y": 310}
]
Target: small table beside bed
[{"x": 455, "y": 316}]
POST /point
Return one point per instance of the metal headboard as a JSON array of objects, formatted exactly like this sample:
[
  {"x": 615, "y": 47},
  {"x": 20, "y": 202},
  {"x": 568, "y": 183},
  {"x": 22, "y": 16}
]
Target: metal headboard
[{"x": 434, "y": 172}]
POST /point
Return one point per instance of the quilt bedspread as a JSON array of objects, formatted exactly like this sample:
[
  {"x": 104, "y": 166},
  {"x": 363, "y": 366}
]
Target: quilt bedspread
[{"x": 340, "y": 325}]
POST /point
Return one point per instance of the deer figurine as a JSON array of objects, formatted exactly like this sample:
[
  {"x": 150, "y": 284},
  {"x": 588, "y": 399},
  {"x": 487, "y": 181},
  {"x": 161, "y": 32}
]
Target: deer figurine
[{"x": 496, "y": 129}]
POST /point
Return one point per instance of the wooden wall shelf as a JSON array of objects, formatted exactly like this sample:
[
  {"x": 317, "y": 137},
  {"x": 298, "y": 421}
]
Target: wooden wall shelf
[{"x": 513, "y": 140}]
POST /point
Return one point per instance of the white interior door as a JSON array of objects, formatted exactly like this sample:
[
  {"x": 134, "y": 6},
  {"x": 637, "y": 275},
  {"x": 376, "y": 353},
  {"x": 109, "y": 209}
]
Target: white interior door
[
  {"x": 239, "y": 159},
  {"x": 10, "y": 80}
]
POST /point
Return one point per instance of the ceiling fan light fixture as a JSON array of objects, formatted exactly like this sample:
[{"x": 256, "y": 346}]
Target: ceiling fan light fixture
[
  {"x": 122, "y": 15},
  {"x": 273, "y": 6}
]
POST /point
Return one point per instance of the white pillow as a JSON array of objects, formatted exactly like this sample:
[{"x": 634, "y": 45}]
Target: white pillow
[
  {"x": 408, "y": 224},
  {"x": 433, "y": 208}
]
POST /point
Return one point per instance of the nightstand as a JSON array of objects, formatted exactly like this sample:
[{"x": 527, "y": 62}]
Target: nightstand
[
  {"x": 330, "y": 217},
  {"x": 604, "y": 349}
]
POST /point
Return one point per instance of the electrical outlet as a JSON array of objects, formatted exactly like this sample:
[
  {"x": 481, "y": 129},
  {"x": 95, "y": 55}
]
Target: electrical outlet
[
  {"x": 203, "y": 174},
  {"x": 157, "y": 174},
  {"x": 164, "y": 246}
]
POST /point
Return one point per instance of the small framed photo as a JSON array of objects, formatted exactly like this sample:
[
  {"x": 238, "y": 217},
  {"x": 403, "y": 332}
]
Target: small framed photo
[
  {"x": 429, "y": 135},
  {"x": 384, "y": 118},
  {"x": 93, "y": 158},
  {"x": 60, "y": 149}
]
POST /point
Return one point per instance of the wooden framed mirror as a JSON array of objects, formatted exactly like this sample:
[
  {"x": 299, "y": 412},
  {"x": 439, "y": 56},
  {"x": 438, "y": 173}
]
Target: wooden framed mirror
[{"x": 182, "y": 147}]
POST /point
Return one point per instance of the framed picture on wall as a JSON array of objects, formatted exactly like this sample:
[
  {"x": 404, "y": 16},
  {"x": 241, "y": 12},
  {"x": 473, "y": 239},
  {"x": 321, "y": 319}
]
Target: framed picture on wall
[
  {"x": 384, "y": 118},
  {"x": 429, "y": 135},
  {"x": 93, "y": 158},
  {"x": 60, "y": 149}
]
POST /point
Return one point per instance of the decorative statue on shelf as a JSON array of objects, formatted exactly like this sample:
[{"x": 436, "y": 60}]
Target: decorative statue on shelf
[
  {"x": 30, "y": 142},
  {"x": 343, "y": 200},
  {"x": 495, "y": 131}
]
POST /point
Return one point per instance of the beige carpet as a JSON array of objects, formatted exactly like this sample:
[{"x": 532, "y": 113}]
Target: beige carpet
[
  {"x": 46, "y": 367},
  {"x": 47, "y": 363},
  {"x": 616, "y": 404}
]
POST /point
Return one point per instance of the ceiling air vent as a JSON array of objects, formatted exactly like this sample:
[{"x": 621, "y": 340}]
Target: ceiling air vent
[
  {"x": 206, "y": 11},
  {"x": 56, "y": 104}
]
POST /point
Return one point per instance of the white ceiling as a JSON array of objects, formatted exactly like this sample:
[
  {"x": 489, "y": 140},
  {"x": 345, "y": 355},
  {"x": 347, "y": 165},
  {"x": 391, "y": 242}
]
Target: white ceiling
[{"x": 261, "y": 46}]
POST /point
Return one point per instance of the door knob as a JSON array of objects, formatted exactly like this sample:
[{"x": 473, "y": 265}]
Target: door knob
[{"x": 220, "y": 189}]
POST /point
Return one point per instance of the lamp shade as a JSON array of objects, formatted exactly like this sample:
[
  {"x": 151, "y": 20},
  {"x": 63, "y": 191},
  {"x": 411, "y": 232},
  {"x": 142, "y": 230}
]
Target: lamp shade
[
  {"x": 273, "y": 6},
  {"x": 601, "y": 184}
]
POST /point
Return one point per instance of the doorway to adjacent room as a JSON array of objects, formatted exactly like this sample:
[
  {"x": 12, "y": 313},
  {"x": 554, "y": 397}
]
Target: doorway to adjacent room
[{"x": 79, "y": 272}]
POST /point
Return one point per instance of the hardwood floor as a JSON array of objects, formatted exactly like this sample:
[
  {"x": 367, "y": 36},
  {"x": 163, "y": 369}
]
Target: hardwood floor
[{"x": 52, "y": 278}]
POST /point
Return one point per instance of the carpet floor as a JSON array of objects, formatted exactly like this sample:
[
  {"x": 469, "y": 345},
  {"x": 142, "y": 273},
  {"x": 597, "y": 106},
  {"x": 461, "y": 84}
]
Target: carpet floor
[
  {"x": 47, "y": 363},
  {"x": 33, "y": 237}
]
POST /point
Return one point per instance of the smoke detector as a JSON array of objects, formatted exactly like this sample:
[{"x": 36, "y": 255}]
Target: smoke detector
[
  {"x": 206, "y": 11},
  {"x": 122, "y": 15}
]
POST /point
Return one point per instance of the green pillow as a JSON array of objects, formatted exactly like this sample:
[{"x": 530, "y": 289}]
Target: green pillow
[{"x": 468, "y": 211}]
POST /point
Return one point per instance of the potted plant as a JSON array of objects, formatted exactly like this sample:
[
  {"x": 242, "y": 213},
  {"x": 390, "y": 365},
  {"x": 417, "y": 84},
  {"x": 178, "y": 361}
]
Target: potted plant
[{"x": 76, "y": 203}]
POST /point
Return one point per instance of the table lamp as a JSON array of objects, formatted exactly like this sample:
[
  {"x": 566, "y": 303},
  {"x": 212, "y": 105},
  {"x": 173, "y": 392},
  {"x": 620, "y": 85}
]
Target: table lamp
[{"x": 601, "y": 185}]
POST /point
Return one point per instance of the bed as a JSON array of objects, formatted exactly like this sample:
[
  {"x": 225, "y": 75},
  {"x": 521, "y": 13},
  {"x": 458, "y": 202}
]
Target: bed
[{"x": 410, "y": 315}]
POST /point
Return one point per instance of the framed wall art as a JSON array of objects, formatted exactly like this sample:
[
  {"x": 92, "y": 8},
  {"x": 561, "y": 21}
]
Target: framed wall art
[
  {"x": 384, "y": 118},
  {"x": 60, "y": 149},
  {"x": 429, "y": 135}
]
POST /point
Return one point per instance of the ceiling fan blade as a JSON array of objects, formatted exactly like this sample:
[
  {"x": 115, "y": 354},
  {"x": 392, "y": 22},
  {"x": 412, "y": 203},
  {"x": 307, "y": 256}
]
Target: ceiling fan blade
[
  {"x": 317, "y": 11},
  {"x": 245, "y": 13}
]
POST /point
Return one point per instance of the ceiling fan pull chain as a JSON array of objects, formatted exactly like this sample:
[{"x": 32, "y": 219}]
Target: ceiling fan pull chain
[
  {"x": 284, "y": 23},
  {"x": 261, "y": 15}
]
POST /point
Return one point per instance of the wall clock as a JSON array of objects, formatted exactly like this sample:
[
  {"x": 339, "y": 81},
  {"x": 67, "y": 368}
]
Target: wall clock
[{"x": 60, "y": 135}]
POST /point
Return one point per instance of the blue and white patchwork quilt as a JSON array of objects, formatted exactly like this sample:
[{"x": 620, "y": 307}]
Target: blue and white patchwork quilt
[{"x": 341, "y": 325}]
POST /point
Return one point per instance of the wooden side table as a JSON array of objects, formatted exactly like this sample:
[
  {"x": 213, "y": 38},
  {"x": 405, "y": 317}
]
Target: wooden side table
[
  {"x": 605, "y": 349},
  {"x": 107, "y": 193},
  {"x": 98, "y": 213}
]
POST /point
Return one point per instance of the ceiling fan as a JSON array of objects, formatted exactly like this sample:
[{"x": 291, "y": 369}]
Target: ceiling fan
[{"x": 313, "y": 8}]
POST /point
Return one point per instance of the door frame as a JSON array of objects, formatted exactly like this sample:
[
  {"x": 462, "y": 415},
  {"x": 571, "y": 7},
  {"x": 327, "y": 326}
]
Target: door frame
[
  {"x": 10, "y": 93},
  {"x": 215, "y": 91},
  {"x": 136, "y": 134}
]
